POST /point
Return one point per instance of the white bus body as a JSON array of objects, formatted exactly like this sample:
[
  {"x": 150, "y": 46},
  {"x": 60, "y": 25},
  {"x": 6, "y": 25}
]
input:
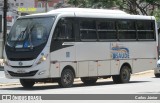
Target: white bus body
[{"x": 85, "y": 43}]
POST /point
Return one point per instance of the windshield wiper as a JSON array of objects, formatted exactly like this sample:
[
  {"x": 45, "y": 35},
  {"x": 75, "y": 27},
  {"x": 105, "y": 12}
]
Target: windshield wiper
[
  {"x": 20, "y": 36},
  {"x": 29, "y": 36}
]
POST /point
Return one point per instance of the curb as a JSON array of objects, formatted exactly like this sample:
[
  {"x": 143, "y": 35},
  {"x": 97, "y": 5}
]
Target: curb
[
  {"x": 145, "y": 72},
  {"x": 9, "y": 84},
  {"x": 17, "y": 83}
]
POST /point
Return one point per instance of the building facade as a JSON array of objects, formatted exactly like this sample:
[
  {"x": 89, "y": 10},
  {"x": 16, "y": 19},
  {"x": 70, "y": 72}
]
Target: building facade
[{"x": 46, "y": 5}]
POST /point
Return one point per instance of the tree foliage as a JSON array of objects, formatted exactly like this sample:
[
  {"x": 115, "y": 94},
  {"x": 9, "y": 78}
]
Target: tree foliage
[
  {"x": 143, "y": 7},
  {"x": 93, "y": 3}
]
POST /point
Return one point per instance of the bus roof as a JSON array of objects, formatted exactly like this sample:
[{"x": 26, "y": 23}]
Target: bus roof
[
  {"x": 88, "y": 10},
  {"x": 93, "y": 13}
]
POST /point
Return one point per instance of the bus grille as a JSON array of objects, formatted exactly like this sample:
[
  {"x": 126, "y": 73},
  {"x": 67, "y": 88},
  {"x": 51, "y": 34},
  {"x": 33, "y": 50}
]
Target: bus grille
[
  {"x": 20, "y": 59},
  {"x": 21, "y": 66},
  {"x": 31, "y": 73}
]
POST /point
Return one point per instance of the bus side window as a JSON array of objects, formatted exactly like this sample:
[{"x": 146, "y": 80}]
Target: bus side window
[
  {"x": 145, "y": 30},
  {"x": 64, "y": 29}
]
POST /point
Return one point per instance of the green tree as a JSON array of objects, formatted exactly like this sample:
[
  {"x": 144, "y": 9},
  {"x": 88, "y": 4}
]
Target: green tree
[
  {"x": 143, "y": 7},
  {"x": 78, "y": 3},
  {"x": 93, "y": 3},
  {"x": 157, "y": 15}
]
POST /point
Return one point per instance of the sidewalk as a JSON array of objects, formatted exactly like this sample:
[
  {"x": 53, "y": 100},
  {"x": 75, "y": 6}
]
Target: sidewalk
[{"x": 8, "y": 82}]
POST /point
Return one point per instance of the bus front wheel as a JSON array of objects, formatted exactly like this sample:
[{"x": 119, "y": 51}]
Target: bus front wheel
[
  {"x": 123, "y": 77},
  {"x": 26, "y": 83},
  {"x": 157, "y": 75},
  {"x": 67, "y": 78}
]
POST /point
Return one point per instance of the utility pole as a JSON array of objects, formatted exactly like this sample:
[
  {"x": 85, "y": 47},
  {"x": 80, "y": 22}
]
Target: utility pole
[
  {"x": 46, "y": 2},
  {"x": 5, "y": 9}
]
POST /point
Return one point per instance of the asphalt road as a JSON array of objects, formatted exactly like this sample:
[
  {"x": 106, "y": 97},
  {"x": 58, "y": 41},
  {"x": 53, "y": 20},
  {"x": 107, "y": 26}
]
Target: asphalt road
[
  {"x": 139, "y": 84},
  {"x": 142, "y": 83},
  {"x": 5, "y": 81},
  {"x": 136, "y": 86}
]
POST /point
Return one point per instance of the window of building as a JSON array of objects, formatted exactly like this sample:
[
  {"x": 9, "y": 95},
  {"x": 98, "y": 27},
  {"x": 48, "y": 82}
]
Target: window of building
[
  {"x": 39, "y": 5},
  {"x": 1, "y": 4},
  {"x": 12, "y": 4},
  {"x": 17, "y": 4},
  {"x": 21, "y": 4}
]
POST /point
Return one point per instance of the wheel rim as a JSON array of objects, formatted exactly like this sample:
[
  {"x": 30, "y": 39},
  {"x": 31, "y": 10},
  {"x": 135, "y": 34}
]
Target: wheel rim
[
  {"x": 125, "y": 75},
  {"x": 67, "y": 78}
]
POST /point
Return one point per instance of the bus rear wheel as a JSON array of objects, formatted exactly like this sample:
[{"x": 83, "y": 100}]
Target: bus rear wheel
[
  {"x": 124, "y": 76},
  {"x": 26, "y": 83},
  {"x": 67, "y": 78},
  {"x": 88, "y": 80}
]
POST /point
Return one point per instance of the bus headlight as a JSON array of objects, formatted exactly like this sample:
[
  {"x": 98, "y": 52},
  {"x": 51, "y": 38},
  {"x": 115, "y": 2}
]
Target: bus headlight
[
  {"x": 43, "y": 58},
  {"x": 42, "y": 72}
]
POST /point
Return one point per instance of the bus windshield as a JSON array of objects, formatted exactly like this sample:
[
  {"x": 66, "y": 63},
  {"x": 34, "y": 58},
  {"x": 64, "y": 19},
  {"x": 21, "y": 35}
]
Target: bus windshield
[{"x": 30, "y": 32}]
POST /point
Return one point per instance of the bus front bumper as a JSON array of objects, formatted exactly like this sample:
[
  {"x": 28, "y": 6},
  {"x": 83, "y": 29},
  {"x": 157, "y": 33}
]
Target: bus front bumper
[{"x": 34, "y": 72}]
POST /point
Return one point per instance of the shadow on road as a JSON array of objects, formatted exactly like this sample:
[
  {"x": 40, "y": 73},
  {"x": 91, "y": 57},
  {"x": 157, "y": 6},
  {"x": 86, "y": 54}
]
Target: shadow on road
[
  {"x": 46, "y": 86},
  {"x": 156, "y": 77}
]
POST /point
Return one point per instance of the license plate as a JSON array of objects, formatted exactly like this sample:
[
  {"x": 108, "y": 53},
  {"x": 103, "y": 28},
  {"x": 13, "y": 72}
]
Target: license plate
[{"x": 21, "y": 71}]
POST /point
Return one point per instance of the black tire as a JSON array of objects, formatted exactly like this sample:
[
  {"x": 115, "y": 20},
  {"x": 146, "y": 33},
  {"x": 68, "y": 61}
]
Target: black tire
[
  {"x": 88, "y": 80},
  {"x": 27, "y": 83},
  {"x": 116, "y": 79},
  {"x": 67, "y": 78},
  {"x": 157, "y": 75},
  {"x": 124, "y": 76}
]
